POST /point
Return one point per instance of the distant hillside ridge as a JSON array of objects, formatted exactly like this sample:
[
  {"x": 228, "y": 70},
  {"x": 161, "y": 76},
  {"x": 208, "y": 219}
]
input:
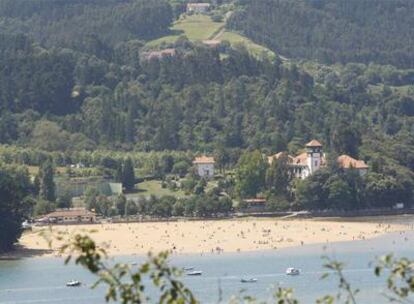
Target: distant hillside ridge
[
  {"x": 331, "y": 31},
  {"x": 88, "y": 26}
]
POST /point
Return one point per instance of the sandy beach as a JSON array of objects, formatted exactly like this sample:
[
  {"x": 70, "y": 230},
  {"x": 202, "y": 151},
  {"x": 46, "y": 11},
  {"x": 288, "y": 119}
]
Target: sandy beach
[{"x": 198, "y": 237}]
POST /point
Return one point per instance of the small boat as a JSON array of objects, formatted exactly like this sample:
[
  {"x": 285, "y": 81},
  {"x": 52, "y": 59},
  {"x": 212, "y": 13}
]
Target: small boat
[
  {"x": 194, "y": 273},
  {"x": 251, "y": 280},
  {"x": 188, "y": 268},
  {"x": 73, "y": 283},
  {"x": 292, "y": 271}
]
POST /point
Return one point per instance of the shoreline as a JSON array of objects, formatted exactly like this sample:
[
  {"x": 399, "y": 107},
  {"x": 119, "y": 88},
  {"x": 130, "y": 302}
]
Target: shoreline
[{"x": 206, "y": 236}]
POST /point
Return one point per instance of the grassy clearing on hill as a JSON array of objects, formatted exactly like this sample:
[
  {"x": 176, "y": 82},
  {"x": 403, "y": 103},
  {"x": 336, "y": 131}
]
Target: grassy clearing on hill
[
  {"x": 201, "y": 27},
  {"x": 255, "y": 49},
  {"x": 195, "y": 27}
]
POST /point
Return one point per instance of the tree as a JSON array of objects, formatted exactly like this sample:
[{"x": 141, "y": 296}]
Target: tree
[
  {"x": 47, "y": 183},
  {"x": 64, "y": 200},
  {"x": 49, "y": 136},
  {"x": 225, "y": 205},
  {"x": 279, "y": 176},
  {"x": 340, "y": 196},
  {"x": 120, "y": 204},
  {"x": 250, "y": 174},
  {"x": 128, "y": 175},
  {"x": 91, "y": 195},
  {"x": 167, "y": 163},
  {"x": 130, "y": 208},
  {"x": 179, "y": 208},
  {"x": 222, "y": 157},
  {"x": 200, "y": 187},
  {"x": 311, "y": 193},
  {"x": 180, "y": 168},
  {"x": 382, "y": 190},
  {"x": 118, "y": 173},
  {"x": 346, "y": 140},
  {"x": 163, "y": 206},
  {"x": 14, "y": 187},
  {"x": 277, "y": 203},
  {"x": 43, "y": 207},
  {"x": 104, "y": 205}
]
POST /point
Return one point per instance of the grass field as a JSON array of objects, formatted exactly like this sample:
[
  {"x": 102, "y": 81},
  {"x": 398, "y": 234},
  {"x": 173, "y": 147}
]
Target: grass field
[
  {"x": 201, "y": 27},
  {"x": 195, "y": 27},
  {"x": 253, "y": 48},
  {"x": 148, "y": 188}
]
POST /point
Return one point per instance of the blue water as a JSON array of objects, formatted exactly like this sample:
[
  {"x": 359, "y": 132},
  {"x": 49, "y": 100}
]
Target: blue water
[{"x": 39, "y": 280}]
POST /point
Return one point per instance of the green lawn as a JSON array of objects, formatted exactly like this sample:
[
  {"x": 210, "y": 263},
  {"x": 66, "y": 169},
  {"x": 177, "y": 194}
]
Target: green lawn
[
  {"x": 195, "y": 27},
  {"x": 201, "y": 27},
  {"x": 148, "y": 188},
  {"x": 253, "y": 48}
]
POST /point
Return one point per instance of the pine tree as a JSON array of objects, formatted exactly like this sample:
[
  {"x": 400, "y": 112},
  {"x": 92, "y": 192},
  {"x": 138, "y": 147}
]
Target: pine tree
[
  {"x": 119, "y": 172},
  {"x": 47, "y": 184},
  {"x": 128, "y": 175}
]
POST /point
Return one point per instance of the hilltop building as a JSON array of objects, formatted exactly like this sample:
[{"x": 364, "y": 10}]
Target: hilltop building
[
  {"x": 313, "y": 159},
  {"x": 198, "y": 8},
  {"x": 171, "y": 52},
  {"x": 204, "y": 166}
]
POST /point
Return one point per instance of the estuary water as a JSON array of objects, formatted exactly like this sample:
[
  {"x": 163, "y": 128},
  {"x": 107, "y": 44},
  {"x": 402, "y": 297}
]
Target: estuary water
[{"x": 42, "y": 280}]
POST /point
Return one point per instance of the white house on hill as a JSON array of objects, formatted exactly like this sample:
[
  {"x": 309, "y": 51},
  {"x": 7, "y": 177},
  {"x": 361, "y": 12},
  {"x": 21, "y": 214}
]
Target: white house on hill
[
  {"x": 204, "y": 166},
  {"x": 313, "y": 159},
  {"x": 198, "y": 7}
]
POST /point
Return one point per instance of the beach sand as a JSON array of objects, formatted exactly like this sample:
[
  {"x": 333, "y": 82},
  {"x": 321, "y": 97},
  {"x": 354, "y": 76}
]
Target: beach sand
[{"x": 198, "y": 237}]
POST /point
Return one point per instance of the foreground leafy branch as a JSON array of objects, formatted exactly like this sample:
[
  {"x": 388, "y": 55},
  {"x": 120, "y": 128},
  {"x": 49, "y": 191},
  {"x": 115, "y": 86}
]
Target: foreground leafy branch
[
  {"x": 126, "y": 284},
  {"x": 400, "y": 282}
]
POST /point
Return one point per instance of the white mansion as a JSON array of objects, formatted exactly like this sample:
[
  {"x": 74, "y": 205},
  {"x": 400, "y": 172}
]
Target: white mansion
[{"x": 313, "y": 159}]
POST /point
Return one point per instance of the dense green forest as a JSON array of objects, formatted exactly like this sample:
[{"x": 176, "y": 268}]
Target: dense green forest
[
  {"x": 332, "y": 31},
  {"x": 76, "y": 77}
]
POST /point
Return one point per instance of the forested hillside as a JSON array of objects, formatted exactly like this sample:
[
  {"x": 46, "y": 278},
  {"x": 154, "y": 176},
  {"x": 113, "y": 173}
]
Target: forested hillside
[
  {"x": 92, "y": 85},
  {"x": 379, "y": 31},
  {"x": 92, "y": 26}
]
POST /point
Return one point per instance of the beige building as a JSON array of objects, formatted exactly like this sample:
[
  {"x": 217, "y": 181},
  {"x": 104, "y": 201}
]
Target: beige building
[
  {"x": 204, "y": 166},
  {"x": 313, "y": 159},
  {"x": 70, "y": 216}
]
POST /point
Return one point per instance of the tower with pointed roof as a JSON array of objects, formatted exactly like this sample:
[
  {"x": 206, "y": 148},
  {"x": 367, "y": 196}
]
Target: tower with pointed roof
[{"x": 314, "y": 156}]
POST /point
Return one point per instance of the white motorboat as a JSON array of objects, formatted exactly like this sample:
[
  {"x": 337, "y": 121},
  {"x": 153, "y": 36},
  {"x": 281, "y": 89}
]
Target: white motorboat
[
  {"x": 194, "y": 273},
  {"x": 73, "y": 283},
  {"x": 292, "y": 271},
  {"x": 250, "y": 280}
]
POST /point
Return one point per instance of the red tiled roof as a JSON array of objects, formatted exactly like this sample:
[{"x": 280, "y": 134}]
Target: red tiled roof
[
  {"x": 277, "y": 156},
  {"x": 314, "y": 143},
  {"x": 301, "y": 159},
  {"x": 346, "y": 161},
  {"x": 204, "y": 160}
]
